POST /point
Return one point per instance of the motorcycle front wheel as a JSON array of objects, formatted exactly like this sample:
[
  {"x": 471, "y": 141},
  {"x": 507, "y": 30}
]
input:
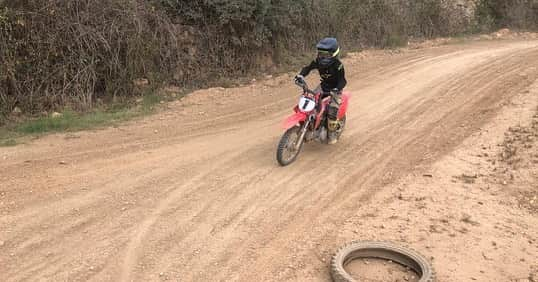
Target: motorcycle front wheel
[{"x": 289, "y": 146}]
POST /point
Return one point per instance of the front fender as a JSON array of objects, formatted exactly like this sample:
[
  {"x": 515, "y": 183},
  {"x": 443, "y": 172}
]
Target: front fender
[{"x": 293, "y": 120}]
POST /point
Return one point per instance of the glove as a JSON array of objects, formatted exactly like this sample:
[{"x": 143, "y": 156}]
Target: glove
[{"x": 299, "y": 79}]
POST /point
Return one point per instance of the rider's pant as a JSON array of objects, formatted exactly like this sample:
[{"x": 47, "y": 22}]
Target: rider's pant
[{"x": 332, "y": 111}]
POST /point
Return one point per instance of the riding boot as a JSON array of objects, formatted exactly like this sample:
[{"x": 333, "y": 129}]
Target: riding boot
[{"x": 333, "y": 126}]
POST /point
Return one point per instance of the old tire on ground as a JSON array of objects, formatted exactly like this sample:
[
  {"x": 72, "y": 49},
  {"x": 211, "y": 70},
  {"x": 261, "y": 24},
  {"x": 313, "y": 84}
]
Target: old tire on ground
[
  {"x": 286, "y": 153},
  {"x": 380, "y": 250}
]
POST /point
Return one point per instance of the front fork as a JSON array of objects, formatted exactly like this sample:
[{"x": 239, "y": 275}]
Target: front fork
[{"x": 303, "y": 133}]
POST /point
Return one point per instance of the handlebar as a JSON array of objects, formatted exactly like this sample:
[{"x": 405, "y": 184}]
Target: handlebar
[{"x": 305, "y": 88}]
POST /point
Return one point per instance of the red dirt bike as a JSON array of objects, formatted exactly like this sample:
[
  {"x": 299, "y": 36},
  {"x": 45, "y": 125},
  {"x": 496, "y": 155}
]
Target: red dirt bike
[{"x": 308, "y": 123}]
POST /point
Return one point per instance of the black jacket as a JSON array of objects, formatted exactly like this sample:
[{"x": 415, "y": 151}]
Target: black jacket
[{"x": 332, "y": 77}]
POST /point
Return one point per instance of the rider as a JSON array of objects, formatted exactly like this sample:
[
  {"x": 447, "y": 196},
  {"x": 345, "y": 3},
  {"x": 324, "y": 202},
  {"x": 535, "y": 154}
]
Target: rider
[{"x": 331, "y": 71}]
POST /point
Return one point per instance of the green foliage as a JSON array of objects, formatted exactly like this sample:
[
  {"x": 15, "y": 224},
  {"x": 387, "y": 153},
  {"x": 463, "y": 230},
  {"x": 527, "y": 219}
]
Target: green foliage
[
  {"x": 74, "y": 53},
  {"x": 78, "y": 54},
  {"x": 73, "y": 121},
  {"x": 8, "y": 143},
  {"x": 69, "y": 121},
  {"x": 494, "y": 14}
]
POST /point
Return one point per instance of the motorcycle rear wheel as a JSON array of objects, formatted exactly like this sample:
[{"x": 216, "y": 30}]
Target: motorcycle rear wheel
[{"x": 286, "y": 152}]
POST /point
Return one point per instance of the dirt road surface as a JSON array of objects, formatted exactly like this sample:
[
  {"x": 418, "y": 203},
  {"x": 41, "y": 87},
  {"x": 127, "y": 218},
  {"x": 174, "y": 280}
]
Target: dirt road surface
[{"x": 194, "y": 192}]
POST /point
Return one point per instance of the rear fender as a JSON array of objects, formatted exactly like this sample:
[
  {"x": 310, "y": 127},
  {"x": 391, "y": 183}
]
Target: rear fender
[
  {"x": 294, "y": 119},
  {"x": 345, "y": 103}
]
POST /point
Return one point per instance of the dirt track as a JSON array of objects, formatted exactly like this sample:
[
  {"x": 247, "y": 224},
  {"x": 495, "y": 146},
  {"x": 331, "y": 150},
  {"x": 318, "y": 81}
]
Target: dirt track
[{"x": 194, "y": 193}]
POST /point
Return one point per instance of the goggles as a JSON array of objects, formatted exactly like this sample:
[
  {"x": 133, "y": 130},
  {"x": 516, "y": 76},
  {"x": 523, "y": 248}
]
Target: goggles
[{"x": 324, "y": 54}]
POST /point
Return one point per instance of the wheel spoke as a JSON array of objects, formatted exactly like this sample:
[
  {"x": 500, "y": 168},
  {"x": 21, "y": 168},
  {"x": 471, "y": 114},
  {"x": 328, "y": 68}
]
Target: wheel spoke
[{"x": 287, "y": 150}]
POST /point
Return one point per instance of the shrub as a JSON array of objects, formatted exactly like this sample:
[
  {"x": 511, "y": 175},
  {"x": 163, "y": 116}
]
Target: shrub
[
  {"x": 56, "y": 53},
  {"x": 494, "y": 14}
]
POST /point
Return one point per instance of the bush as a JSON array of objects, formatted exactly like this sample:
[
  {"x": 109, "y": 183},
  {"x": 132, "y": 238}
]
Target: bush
[
  {"x": 69, "y": 53},
  {"x": 57, "y": 53},
  {"x": 495, "y": 14}
]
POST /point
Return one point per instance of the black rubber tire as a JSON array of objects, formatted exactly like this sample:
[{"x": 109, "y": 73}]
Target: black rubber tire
[
  {"x": 381, "y": 250},
  {"x": 282, "y": 146}
]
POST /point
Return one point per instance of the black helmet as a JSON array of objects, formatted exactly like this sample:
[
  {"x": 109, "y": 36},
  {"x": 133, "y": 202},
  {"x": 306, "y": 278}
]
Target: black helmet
[{"x": 328, "y": 50}]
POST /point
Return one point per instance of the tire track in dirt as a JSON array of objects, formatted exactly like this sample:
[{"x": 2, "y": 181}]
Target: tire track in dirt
[
  {"x": 281, "y": 200},
  {"x": 211, "y": 204},
  {"x": 335, "y": 203}
]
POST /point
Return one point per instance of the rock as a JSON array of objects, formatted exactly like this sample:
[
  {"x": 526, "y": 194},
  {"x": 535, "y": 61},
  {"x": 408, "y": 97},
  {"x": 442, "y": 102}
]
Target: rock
[
  {"x": 469, "y": 178},
  {"x": 71, "y": 136},
  {"x": 139, "y": 100},
  {"x": 56, "y": 115},
  {"x": 141, "y": 82},
  {"x": 533, "y": 277},
  {"x": 62, "y": 162},
  {"x": 161, "y": 274},
  {"x": 486, "y": 257},
  {"x": 17, "y": 111},
  {"x": 474, "y": 175},
  {"x": 504, "y": 31},
  {"x": 2, "y": 243},
  {"x": 467, "y": 219}
]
